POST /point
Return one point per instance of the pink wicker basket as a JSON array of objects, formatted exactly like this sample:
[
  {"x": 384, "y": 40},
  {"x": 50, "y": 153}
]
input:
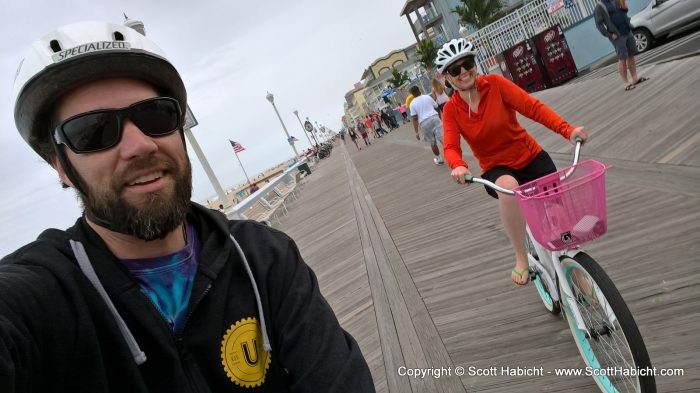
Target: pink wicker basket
[{"x": 566, "y": 208}]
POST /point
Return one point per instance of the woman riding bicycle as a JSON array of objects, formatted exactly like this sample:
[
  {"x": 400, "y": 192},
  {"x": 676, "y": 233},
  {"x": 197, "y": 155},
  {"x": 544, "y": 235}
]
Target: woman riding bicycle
[{"x": 484, "y": 113}]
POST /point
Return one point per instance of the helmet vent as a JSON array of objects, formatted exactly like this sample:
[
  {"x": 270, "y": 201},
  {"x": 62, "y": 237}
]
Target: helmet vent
[
  {"x": 118, "y": 36},
  {"x": 55, "y": 46}
]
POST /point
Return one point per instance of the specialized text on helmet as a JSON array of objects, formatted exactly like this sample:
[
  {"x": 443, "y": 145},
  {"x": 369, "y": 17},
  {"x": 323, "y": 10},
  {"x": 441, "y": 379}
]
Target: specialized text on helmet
[{"x": 90, "y": 47}]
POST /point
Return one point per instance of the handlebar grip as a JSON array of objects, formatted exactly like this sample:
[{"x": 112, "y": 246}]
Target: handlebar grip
[
  {"x": 469, "y": 178},
  {"x": 579, "y": 139}
]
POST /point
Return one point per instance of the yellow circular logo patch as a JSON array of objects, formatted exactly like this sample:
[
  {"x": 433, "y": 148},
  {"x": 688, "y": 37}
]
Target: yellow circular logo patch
[{"x": 242, "y": 354}]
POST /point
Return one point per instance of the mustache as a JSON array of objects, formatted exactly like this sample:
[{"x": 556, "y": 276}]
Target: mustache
[{"x": 141, "y": 163}]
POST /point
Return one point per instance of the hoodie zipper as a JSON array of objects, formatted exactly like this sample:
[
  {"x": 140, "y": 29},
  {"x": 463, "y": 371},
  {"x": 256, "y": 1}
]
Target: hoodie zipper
[
  {"x": 179, "y": 342},
  {"x": 194, "y": 306}
]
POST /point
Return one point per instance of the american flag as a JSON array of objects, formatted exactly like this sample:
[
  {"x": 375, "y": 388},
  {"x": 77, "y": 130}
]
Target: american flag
[{"x": 237, "y": 147}]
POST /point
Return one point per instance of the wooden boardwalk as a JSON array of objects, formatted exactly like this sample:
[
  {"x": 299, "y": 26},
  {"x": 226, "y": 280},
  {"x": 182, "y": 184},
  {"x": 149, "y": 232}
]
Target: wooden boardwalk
[{"x": 417, "y": 267}]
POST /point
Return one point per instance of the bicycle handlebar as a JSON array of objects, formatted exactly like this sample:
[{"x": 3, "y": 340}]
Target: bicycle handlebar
[
  {"x": 577, "y": 150},
  {"x": 472, "y": 179}
]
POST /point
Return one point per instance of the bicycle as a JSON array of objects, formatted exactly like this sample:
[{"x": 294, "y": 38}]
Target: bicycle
[{"x": 563, "y": 210}]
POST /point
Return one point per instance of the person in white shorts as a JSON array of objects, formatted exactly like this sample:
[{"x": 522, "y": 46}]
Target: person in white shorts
[{"x": 425, "y": 118}]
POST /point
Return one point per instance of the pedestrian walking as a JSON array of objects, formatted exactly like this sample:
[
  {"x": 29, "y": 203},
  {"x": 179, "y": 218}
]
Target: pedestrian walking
[
  {"x": 426, "y": 121},
  {"x": 377, "y": 125},
  {"x": 368, "y": 125},
  {"x": 439, "y": 95},
  {"x": 612, "y": 22},
  {"x": 353, "y": 137},
  {"x": 483, "y": 112},
  {"x": 388, "y": 119},
  {"x": 149, "y": 291},
  {"x": 363, "y": 132},
  {"x": 402, "y": 110},
  {"x": 409, "y": 98}
]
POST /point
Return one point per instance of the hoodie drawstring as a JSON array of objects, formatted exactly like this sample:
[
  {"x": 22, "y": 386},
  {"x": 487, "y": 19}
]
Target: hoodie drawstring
[
  {"x": 266, "y": 341},
  {"x": 89, "y": 271}
]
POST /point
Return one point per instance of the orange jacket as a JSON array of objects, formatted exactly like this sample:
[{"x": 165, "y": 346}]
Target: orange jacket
[{"x": 494, "y": 134}]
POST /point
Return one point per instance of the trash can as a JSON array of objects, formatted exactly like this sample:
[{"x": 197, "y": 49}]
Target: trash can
[{"x": 304, "y": 168}]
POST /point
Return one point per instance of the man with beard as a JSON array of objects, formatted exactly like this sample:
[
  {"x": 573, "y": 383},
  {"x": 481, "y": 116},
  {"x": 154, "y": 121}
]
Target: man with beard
[{"x": 149, "y": 291}]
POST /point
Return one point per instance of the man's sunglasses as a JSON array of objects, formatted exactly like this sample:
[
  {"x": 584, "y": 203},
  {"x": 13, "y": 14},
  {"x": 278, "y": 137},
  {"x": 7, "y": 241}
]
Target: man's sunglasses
[
  {"x": 456, "y": 68},
  {"x": 102, "y": 129}
]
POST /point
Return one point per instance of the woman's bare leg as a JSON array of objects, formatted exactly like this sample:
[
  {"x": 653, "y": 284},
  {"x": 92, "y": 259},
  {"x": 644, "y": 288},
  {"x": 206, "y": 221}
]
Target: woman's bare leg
[{"x": 514, "y": 225}]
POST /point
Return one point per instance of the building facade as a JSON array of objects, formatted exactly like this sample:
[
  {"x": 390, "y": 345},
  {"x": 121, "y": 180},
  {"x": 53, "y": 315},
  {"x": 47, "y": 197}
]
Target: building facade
[
  {"x": 372, "y": 93},
  {"x": 436, "y": 19},
  {"x": 431, "y": 19},
  {"x": 354, "y": 104}
]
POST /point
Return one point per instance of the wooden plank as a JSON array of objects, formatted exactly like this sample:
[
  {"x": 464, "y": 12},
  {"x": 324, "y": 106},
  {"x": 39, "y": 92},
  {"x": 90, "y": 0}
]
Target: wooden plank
[
  {"x": 391, "y": 347},
  {"x": 327, "y": 235},
  {"x": 420, "y": 343}
]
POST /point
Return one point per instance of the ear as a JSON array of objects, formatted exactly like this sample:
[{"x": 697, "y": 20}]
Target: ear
[{"x": 56, "y": 164}]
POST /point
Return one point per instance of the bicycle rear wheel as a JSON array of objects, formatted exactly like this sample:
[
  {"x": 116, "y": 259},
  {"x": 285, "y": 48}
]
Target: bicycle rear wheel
[
  {"x": 542, "y": 289},
  {"x": 611, "y": 346}
]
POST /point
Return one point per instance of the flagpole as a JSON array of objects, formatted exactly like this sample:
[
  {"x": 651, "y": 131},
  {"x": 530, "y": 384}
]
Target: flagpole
[{"x": 241, "y": 164}]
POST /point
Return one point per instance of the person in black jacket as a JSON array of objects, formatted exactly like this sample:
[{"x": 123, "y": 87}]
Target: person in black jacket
[
  {"x": 148, "y": 291},
  {"x": 612, "y": 22}
]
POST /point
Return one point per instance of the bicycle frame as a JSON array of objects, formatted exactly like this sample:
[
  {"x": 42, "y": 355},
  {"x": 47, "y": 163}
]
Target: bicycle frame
[{"x": 548, "y": 265}]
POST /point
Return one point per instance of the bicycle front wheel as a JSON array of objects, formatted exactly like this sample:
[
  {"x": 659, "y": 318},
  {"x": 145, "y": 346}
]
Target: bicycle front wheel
[{"x": 611, "y": 344}]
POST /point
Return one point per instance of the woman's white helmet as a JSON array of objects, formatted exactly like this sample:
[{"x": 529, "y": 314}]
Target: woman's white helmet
[
  {"x": 452, "y": 51},
  {"x": 75, "y": 54}
]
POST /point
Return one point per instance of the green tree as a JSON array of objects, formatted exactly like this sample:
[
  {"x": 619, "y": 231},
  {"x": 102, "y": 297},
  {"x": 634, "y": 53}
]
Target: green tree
[
  {"x": 398, "y": 78},
  {"x": 427, "y": 53},
  {"x": 479, "y": 13}
]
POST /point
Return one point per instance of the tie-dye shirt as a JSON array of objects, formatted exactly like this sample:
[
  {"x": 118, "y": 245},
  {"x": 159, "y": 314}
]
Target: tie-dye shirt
[{"x": 168, "y": 279}]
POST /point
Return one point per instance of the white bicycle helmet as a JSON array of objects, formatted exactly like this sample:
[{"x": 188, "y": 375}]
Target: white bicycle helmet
[
  {"x": 79, "y": 53},
  {"x": 452, "y": 51}
]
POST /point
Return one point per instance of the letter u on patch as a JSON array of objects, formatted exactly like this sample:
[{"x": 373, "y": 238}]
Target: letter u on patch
[{"x": 242, "y": 355}]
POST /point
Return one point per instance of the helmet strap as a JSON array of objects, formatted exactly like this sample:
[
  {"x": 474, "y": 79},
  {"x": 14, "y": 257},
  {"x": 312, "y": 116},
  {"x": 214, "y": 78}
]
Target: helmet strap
[
  {"x": 67, "y": 167},
  {"x": 73, "y": 177}
]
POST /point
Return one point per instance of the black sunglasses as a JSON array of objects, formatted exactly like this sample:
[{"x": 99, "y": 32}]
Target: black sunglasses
[
  {"x": 456, "y": 68},
  {"x": 102, "y": 129}
]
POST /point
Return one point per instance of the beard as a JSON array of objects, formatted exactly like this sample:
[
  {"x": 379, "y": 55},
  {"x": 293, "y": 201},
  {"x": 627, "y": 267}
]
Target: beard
[{"x": 157, "y": 214}]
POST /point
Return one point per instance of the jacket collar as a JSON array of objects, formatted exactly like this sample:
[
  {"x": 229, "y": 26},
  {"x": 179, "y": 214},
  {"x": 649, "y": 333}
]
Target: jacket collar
[{"x": 212, "y": 229}]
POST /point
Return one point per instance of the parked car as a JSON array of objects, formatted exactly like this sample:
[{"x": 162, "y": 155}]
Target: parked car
[{"x": 662, "y": 18}]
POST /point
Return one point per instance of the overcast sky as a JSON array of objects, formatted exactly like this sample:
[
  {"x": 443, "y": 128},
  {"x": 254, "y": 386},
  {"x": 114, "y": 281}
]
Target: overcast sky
[{"x": 307, "y": 53}]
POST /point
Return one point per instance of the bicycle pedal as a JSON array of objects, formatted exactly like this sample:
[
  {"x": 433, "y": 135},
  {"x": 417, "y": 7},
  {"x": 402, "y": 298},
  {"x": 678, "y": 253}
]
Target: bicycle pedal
[{"x": 533, "y": 274}]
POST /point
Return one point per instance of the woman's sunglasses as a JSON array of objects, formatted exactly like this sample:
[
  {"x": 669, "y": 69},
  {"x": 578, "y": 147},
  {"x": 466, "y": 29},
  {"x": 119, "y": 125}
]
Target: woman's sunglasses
[
  {"x": 102, "y": 129},
  {"x": 456, "y": 68}
]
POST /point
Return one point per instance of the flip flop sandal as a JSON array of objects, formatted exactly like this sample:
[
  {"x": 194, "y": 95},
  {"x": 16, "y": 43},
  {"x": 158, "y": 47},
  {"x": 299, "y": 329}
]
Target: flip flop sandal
[
  {"x": 520, "y": 273},
  {"x": 640, "y": 80},
  {"x": 629, "y": 87}
]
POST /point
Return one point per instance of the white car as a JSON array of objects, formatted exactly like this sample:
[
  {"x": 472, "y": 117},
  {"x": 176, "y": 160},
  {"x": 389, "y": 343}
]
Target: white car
[{"x": 661, "y": 18}]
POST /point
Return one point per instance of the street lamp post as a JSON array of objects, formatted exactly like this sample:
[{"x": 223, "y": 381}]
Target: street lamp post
[
  {"x": 312, "y": 132},
  {"x": 318, "y": 129},
  {"x": 296, "y": 113},
  {"x": 271, "y": 98}
]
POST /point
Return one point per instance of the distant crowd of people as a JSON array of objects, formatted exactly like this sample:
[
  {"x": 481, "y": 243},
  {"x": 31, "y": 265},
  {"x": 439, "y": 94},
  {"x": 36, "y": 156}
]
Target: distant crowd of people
[{"x": 379, "y": 123}]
